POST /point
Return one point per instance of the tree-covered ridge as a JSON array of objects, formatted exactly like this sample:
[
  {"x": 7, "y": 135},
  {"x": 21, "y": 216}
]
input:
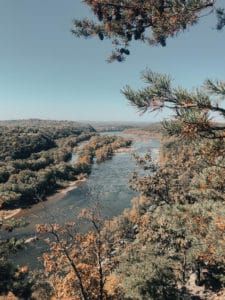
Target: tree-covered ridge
[
  {"x": 21, "y": 138},
  {"x": 38, "y": 123},
  {"x": 34, "y": 161},
  {"x": 150, "y": 21}
]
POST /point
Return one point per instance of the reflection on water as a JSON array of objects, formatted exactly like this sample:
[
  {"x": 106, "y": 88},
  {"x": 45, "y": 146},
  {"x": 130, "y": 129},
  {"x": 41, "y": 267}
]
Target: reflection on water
[{"x": 107, "y": 186}]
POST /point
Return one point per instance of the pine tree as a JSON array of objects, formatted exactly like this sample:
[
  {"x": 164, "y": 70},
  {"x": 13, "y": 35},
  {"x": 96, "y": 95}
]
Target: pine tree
[
  {"x": 175, "y": 228},
  {"x": 150, "y": 21},
  {"x": 192, "y": 109}
]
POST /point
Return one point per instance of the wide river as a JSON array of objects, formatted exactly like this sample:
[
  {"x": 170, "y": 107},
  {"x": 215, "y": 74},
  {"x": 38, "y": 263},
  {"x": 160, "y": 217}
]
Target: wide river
[{"x": 107, "y": 185}]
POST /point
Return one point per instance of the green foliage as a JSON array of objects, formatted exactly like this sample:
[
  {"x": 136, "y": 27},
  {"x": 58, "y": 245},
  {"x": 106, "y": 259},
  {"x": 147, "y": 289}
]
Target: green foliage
[
  {"x": 7, "y": 273},
  {"x": 34, "y": 159},
  {"x": 148, "y": 276},
  {"x": 179, "y": 222},
  {"x": 26, "y": 181},
  {"x": 12, "y": 278}
]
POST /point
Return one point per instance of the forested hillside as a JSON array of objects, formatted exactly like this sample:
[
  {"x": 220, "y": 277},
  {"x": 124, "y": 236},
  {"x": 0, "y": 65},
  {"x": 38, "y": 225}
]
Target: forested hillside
[
  {"x": 35, "y": 159},
  {"x": 170, "y": 243}
]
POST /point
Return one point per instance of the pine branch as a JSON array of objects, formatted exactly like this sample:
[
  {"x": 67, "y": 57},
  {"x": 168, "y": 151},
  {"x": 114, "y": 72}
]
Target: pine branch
[
  {"x": 215, "y": 87},
  {"x": 127, "y": 20},
  {"x": 221, "y": 18}
]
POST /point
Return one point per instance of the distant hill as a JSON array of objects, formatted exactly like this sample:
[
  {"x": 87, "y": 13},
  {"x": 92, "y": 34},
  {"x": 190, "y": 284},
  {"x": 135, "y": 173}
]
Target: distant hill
[
  {"x": 120, "y": 126},
  {"x": 83, "y": 126},
  {"x": 46, "y": 123}
]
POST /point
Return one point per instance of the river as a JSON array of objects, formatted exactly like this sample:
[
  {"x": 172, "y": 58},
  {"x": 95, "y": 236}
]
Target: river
[{"x": 106, "y": 185}]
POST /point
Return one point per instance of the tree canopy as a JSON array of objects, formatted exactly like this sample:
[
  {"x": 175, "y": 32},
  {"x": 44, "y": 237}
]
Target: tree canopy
[
  {"x": 149, "y": 21},
  {"x": 174, "y": 230}
]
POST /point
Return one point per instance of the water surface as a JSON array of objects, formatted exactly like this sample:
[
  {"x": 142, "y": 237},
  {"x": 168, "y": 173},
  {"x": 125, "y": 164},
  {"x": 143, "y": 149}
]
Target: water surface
[{"x": 107, "y": 185}]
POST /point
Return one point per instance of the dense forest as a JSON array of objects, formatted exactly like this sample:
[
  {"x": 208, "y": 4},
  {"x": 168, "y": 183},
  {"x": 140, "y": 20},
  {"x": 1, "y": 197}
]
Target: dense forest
[
  {"x": 170, "y": 244},
  {"x": 35, "y": 160}
]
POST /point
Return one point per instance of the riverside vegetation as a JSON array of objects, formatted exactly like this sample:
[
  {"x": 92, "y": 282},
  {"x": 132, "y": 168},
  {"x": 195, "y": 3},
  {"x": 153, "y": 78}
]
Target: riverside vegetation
[
  {"x": 35, "y": 161},
  {"x": 170, "y": 244}
]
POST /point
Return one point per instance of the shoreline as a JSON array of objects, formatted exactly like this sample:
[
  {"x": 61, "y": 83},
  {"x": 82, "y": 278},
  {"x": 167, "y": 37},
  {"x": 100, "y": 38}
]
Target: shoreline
[
  {"x": 143, "y": 132},
  {"x": 9, "y": 214},
  {"x": 71, "y": 186},
  {"x": 57, "y": 195},
  {"x": 124, "y": 150}
]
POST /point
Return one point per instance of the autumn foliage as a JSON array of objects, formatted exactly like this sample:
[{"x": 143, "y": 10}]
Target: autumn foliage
[{"x": 79, "y": 265}]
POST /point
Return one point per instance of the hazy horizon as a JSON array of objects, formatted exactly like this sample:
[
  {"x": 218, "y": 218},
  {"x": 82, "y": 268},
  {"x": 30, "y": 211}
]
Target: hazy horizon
[
  {"x": 79, "y": 121},
  {"x": 47, "y": 73}
]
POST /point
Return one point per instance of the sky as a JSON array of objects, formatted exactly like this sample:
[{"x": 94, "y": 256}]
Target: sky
[{"x": 47, "y": 73}]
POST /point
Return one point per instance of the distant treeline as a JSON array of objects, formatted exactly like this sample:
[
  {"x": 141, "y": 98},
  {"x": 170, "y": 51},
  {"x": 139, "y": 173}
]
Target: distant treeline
[
  {"x": 45, "y": 124},
  {"x": 121, "y": 126}
]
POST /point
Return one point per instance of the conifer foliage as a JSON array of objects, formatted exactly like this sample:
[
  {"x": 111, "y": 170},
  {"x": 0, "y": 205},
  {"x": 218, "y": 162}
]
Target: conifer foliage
[
  {"x": 192, "y": 109},
  {"x": 150, "y": 21},
  {"x": 174, "y": 231},
  {"x": 182, "y": 203}
]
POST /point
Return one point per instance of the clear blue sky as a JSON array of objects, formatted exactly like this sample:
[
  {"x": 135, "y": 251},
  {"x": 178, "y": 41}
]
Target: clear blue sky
[{"x": 47, "y": 73}]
